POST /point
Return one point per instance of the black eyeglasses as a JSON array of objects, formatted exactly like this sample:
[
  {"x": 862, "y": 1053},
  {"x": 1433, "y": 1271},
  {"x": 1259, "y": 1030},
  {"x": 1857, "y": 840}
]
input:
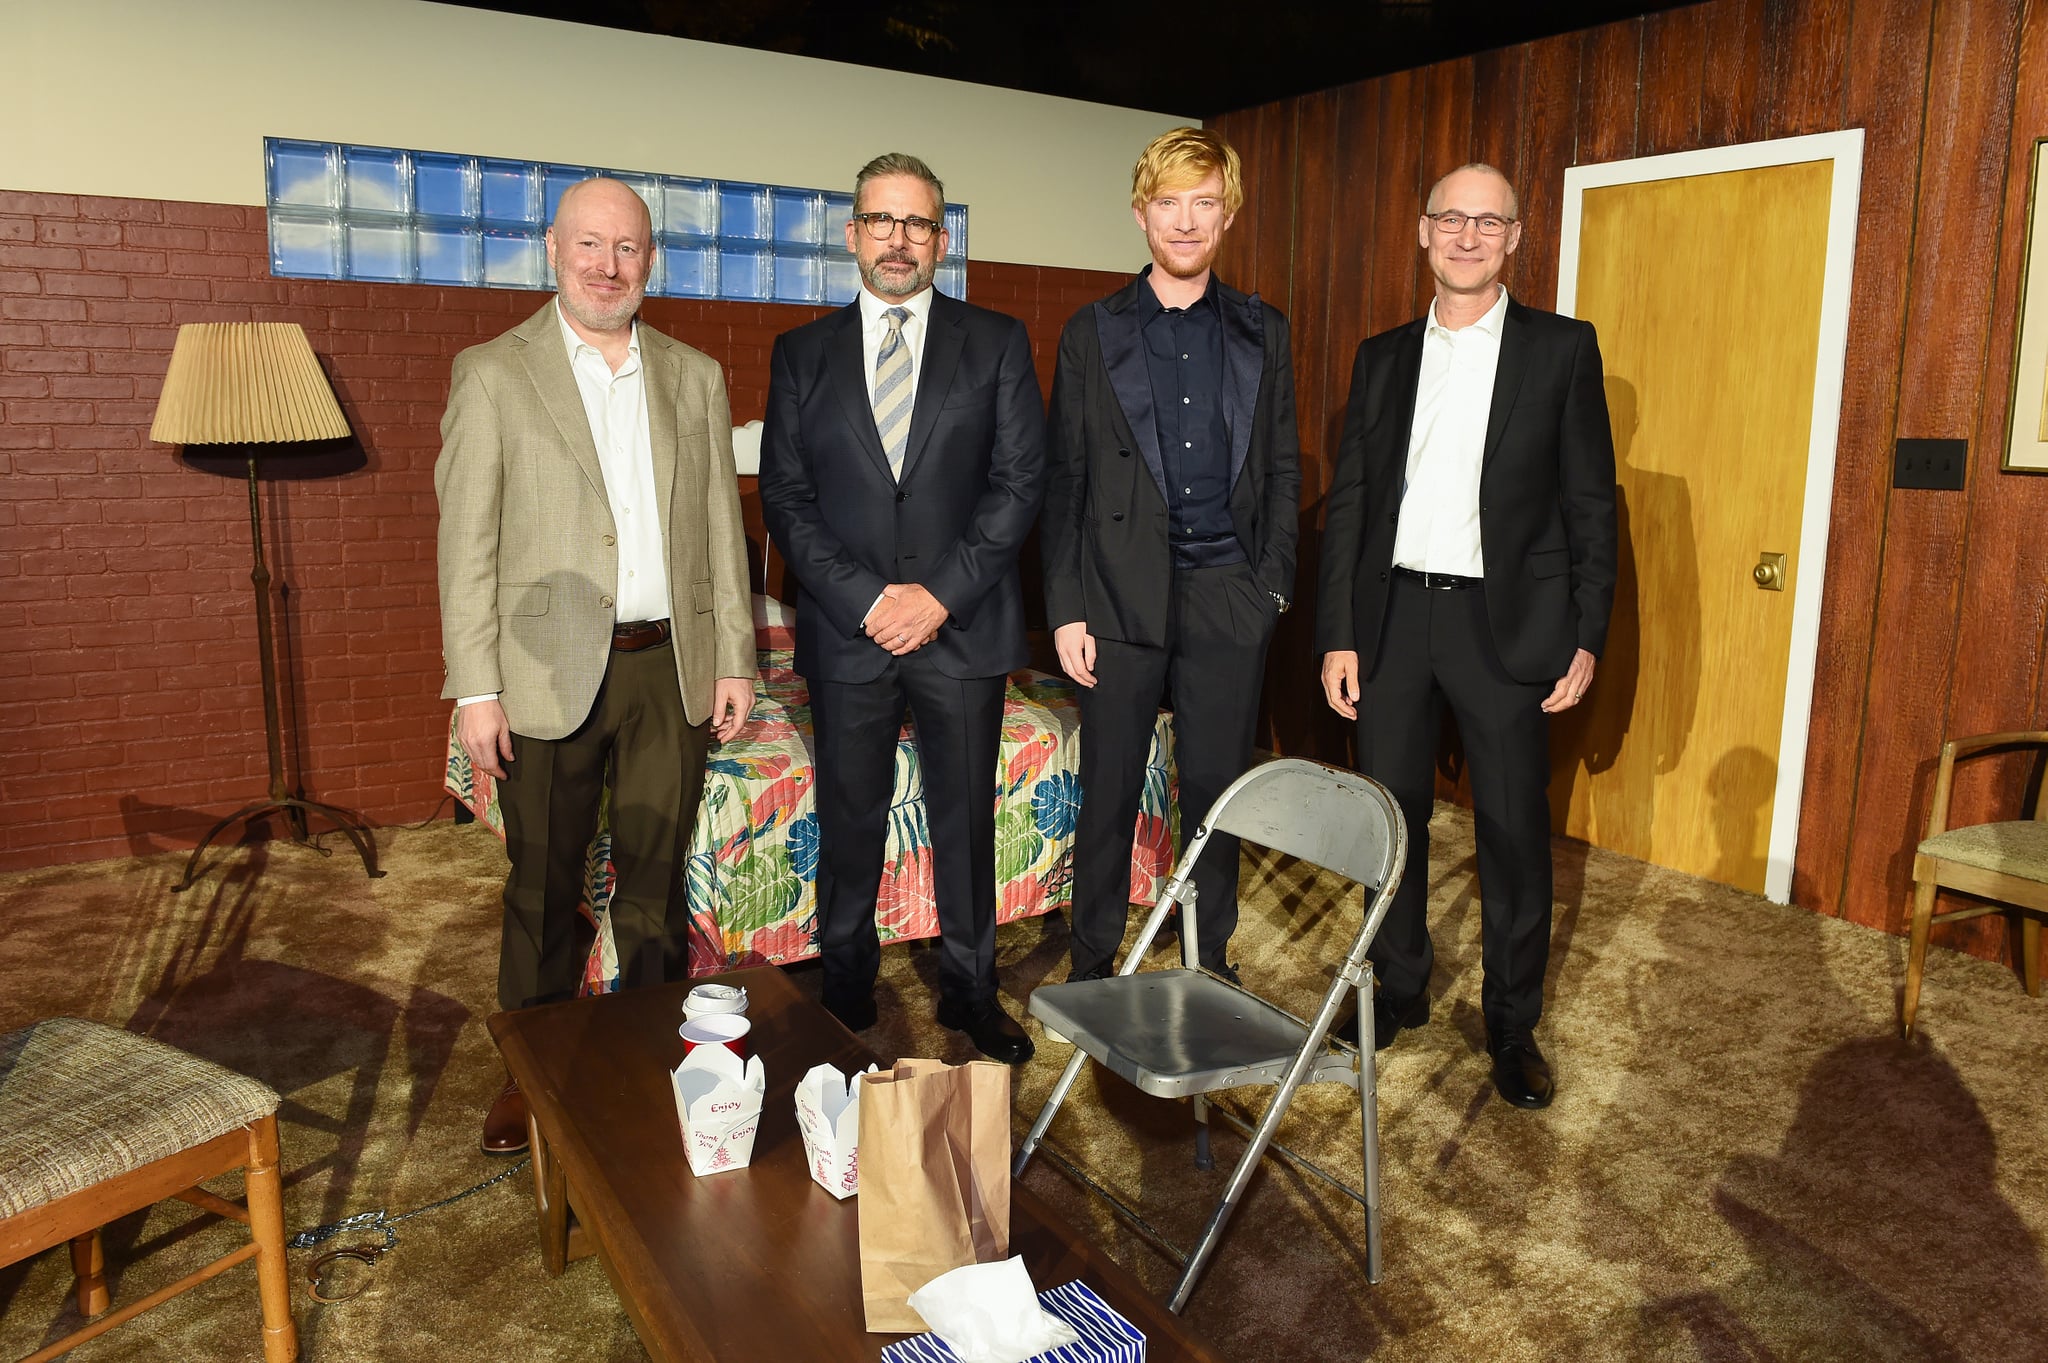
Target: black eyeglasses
[
  {"x": 1451, "y": 222},
  {"x": 882, "y": 226}
]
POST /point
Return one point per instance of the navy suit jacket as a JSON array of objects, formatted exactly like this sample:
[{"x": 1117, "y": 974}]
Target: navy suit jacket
[
  {"x": 973, "y": 478},
  {"x": 1106, "y": 536},
  {"x": 1546, "y": 496}
]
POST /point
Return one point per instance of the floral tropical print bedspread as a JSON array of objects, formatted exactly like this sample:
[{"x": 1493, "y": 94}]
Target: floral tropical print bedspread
[{"x": 752, "y": 875}]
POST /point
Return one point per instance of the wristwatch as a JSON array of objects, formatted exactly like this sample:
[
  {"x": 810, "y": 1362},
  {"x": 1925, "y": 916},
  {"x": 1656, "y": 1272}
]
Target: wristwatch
[{"x": 1280, "y": 603}]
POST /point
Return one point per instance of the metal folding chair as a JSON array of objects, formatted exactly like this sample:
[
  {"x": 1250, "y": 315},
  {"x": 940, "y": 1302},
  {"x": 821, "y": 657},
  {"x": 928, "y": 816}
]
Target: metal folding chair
[{"x": 1188, "y": 1033}]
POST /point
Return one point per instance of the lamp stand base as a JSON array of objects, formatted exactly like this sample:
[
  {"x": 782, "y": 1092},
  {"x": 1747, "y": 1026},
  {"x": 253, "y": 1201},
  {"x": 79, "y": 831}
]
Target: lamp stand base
[{"x": 295, "y": 811}]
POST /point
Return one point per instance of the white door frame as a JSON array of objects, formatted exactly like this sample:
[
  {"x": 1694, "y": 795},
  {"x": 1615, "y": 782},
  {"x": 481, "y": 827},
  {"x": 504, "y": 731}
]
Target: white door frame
[{"x": 1845, "y": 150}]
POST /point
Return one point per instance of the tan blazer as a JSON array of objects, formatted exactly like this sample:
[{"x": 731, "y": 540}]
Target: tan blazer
[{"x": 528, "y": 555}]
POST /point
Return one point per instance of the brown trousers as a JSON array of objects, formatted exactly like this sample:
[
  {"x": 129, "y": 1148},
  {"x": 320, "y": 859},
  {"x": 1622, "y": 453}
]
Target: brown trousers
[{"x": 637, "y": 744}]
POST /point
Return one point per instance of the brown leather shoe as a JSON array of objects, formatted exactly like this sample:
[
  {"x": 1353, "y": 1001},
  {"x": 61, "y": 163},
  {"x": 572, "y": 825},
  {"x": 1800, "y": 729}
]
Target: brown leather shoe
[{"x": 505, "y": 1123}]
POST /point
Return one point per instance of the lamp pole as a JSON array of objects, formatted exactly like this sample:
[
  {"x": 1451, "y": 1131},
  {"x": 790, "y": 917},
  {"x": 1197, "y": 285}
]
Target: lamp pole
[{"x": 293, "y": 807}]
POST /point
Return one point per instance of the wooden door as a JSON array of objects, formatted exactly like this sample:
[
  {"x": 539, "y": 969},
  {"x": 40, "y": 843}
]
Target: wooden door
[{"x": 1707, "y": 292}]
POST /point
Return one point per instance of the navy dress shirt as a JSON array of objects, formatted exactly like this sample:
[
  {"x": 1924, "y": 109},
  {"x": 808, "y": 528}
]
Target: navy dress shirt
[{"x": 1184, "y": 356}]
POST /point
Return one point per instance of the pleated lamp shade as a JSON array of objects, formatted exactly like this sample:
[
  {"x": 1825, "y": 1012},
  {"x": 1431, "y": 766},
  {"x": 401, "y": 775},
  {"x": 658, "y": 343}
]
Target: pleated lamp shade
[{"x": 239, "y": 383}]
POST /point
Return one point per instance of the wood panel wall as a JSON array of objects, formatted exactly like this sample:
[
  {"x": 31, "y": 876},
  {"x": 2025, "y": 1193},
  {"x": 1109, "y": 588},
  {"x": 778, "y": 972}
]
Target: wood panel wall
[{"x": 1936, "y": 606}]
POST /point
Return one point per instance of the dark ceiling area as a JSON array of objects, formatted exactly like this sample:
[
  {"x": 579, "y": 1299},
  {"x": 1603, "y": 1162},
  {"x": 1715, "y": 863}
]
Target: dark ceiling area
[{"x": 1195, "y": 57}]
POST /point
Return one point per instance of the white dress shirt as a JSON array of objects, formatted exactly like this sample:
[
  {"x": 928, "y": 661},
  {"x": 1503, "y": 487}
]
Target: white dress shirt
[
  {"x": 615, "y": 405},
  {"x": 874, "y": 326},
  {"x": 1439, "y": 526}
]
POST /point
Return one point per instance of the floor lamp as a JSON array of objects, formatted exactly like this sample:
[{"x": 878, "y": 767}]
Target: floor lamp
[{"x": 256, "y": 385}]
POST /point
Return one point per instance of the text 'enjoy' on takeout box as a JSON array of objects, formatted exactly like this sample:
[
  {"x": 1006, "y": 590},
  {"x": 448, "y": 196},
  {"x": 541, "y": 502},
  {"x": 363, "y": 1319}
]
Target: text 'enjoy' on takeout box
[
  {"x": 718, "y": 1102},
  {"x": 828, "y": 1114}
]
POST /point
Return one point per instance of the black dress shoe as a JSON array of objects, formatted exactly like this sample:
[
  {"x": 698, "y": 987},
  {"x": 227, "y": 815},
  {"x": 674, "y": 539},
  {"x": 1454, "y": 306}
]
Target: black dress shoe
[
  {"x": 1388, "y": 1020},
  {"x": 1520, "y": 1072},
  {"x": 994, "y": 1033},
  {"x": 1100, "y": 972},
  {"x": 856, "y": 1015}
]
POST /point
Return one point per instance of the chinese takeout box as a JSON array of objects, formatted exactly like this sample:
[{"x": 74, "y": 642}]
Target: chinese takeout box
[
  {"x": 718, "y": 1101},
  {"x": 828, "y": 1114}
]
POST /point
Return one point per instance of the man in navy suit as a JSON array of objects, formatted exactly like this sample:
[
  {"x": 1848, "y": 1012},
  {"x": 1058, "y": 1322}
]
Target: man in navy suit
[
  {"x": 1170, "y": 521},
  {"x": 1469, "y": 560},
  {"x": 902, "y": 466}
]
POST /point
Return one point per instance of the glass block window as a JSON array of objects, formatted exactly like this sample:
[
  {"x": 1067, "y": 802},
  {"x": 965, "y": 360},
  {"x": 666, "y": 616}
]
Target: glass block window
[{"x": 421, "y": 217}]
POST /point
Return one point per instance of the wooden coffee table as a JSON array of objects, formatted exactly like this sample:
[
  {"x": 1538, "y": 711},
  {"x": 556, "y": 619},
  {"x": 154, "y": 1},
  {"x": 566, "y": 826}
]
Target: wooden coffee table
[{"x": 758, "y": 1263}]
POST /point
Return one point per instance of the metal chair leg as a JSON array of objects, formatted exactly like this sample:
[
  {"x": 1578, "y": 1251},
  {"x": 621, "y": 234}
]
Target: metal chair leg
[
  {"x": 1369, "y": 1144},
  {"x": 1254, "y": 1151},
  {"x": 1046, "y": 1113},
  {"x": 1198, "y": 1258}
]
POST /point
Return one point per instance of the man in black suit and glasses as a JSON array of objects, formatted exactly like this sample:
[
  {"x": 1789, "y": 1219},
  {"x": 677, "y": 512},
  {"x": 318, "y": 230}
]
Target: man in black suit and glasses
[
  {"x": 1468, "y": 558},
  {"x": 902, "y": 466}
]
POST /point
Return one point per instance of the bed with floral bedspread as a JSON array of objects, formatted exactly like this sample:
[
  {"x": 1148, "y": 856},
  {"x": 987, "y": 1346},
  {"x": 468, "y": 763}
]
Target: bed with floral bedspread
[{"x": 752, "y": 875}]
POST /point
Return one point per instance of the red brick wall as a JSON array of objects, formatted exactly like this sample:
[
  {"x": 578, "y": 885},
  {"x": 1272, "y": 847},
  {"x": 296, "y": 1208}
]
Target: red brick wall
[{"x": 130, "y": 712}]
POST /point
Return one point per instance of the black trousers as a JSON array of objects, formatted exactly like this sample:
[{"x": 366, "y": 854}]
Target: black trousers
[
  {"x": 1435, "y": 649},
  {"x": 959, "y": 725},
  {"x": 636, "y": 732},
  {"x": 1210, "y": 672}
]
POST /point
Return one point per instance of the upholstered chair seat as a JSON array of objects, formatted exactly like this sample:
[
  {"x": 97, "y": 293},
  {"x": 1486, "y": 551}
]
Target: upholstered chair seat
[
  {"x": 2015, "y": 848},
  {"x": 96, "y": 1123},
  {"x": 1998, "y": 867}
]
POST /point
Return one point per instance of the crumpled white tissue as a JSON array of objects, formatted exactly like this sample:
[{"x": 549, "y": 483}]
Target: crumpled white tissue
[{"x": 989, "y": 1313}]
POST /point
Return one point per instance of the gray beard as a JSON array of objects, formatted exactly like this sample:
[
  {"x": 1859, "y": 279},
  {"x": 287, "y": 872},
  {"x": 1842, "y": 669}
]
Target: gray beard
[{"x": 918, "y": 282}]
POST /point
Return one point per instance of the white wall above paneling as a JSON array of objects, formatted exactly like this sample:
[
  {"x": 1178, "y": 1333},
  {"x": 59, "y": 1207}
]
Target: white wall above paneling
[{"x": 141, "y": 99}]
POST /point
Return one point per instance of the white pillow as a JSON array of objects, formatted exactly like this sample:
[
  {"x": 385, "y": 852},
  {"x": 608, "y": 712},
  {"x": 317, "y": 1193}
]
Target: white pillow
[{"x": 746, "y": 449}]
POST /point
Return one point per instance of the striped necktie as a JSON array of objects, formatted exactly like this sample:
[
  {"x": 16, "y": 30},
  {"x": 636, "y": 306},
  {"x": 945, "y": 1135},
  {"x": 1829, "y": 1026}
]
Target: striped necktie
[{"x": 892, "y": 391}]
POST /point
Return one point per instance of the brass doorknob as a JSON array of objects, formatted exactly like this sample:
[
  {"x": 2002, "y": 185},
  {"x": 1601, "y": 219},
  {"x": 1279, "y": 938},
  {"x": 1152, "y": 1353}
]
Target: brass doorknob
[{"x": 1769, "y": 573}]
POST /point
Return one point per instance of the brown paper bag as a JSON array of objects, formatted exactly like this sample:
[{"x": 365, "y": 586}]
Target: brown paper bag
[{"x": 934, "y": 1179}]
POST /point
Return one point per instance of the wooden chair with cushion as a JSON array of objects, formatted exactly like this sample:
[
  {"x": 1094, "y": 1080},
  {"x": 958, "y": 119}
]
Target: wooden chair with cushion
[
  {"x": 2003, "y": 862},
  {"x": 96, "y": 1123}
]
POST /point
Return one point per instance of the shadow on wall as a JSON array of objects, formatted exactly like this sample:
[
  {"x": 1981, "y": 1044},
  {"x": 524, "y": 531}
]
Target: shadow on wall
[
  {"x": 1646, "y": 689},
  {"x": 1741, "y": 784},
  {"x": 1294, "y": 718}
]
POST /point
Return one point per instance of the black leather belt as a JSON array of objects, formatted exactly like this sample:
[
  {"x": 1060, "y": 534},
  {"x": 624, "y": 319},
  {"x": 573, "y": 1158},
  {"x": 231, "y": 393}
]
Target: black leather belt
[
  {"x": 1441, "y": 582},
  {"x": 639, "y": 634}
]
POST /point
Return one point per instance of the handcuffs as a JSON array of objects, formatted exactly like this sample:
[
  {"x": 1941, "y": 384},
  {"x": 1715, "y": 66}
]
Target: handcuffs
[
  {"x": 380, "y": 1222},
  {"x": 316, "y": 1272}
]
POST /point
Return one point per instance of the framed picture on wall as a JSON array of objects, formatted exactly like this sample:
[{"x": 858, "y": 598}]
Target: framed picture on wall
[{"x": 2026, "y": 439}]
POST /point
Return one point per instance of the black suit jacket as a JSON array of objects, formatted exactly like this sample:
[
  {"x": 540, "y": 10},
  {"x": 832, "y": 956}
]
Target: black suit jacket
[
  {"x": 1105, "y": 535},
  {"x": 1546, "y": 496},
  {"x": 973, "y": 478}
]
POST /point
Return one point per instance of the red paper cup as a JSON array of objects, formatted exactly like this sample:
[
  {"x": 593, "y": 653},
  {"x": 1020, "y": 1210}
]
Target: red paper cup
[{"x": 717, "y": 1029}]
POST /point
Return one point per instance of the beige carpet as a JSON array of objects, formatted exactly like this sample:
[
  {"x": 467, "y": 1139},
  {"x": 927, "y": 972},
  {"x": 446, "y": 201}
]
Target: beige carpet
[{"x": 1742, "y": 1163}]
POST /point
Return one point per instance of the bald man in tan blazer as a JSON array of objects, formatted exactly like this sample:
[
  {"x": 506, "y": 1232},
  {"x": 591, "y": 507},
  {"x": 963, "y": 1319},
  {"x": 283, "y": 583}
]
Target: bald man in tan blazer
[{"x": 594, "y": 609}]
